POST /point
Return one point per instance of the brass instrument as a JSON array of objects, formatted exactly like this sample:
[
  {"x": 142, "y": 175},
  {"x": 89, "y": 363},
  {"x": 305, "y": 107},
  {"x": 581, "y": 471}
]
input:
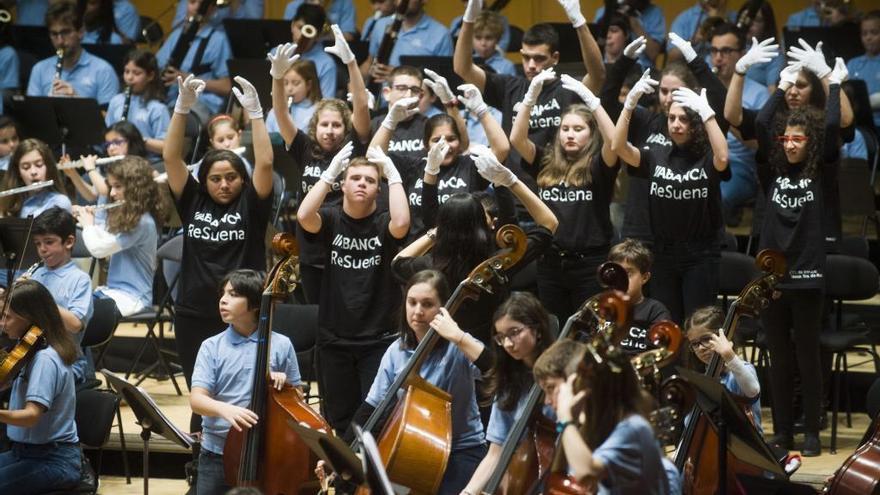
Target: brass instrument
[
  {"x": 81, "y": 164},
  {"x": 5, "y": 16},
  {"x": 127, "y": 103}
]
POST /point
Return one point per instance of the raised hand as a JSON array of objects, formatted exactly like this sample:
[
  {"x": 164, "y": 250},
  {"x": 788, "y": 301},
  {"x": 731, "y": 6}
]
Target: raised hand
[
  {"x": 686, "y": 97},
  {"x": 188, "y": 93},
  {"x": 340, "y": 48},
  {"x": 840, "y": 73},
  {"x": 572, "y": 84},
  {"x": 446, "y": 326},
  {"x": 759, "y": 53},
  {"x": 472, "y": 11},
  {"x": 439, "y": 86},
  {"x": 401, "y": 110},
  {"x": 635, "y": 48},
  {"x": 377, "y": 156},
  {"x": 643, "y": 86},
  {"x": 371, "y": 99},
  {"x": 493, "y": 171},
  {"x": 810, "y": 58},
  {"x": 536, "y": 85},
  {"x": 573, "y": 11},
  {"x": 436, "y": 155},
  {"x": 248, "y": 99},
  {"x": 282, "y": 59},
  {"x": 337, "y": 164},
  {"x": 789, "y": 74},
  {"x": 683, "y": 46},
  {"x": 473, "y": 100}
]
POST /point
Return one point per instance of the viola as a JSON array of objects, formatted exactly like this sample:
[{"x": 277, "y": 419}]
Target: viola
[
  {"x": 12, "y": 361},
  {"x": 270, "y": 455}
]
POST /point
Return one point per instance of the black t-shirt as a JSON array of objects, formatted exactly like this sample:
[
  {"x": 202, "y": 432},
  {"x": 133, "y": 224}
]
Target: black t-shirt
[
  {"x": 476, "y": 316},
  {"x": 313, "y": 163},
  {"x": 218, "y": 239},
  {"x": 684, "y": 193},
  {"x": 645, "y": 314},
  {"x": 408, "y": 138},
  {"x": 359, "y": 299},
  {"x": 583, "y": 212}
]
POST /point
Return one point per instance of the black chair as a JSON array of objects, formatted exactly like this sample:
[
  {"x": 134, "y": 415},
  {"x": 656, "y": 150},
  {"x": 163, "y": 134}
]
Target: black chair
[
  {"x": 81, "y": 251},
  {"x": 101, "y": 327},
  {"x": 735, "y": 272},
  {"x": 516, "y": 36},
  {"x": 872, "y": 401},
  {"x": 299, "y": 322},
  {"x": 95, "y": 411},
  {"x": 847, "y": 278},
  {"x": 856, "y": 186}
]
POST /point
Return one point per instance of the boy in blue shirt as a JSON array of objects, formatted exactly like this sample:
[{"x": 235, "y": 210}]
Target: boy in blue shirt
[{"x": 224, "y": 370}]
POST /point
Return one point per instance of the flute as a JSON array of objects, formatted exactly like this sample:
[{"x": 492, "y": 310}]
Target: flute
[
  {"x": 107, "y": 206},
  {"x": 81, "y": 164},
  {"x": 23, "y": 189},
  {"x": 127, "y": 103}
]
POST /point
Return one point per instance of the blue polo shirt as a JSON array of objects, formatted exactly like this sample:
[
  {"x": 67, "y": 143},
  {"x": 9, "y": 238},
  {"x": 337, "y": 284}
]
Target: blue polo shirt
[
  {"x": 151, "y": 117},
  {"x": 501, "y": 421},
  {"x": 503, "y": 43},
  {"x": 247, "y": 9},
  {"x": 225, "y": 368},
  {"x": 94, "y": 37},
  {"x": 501, "y": 65},
  {"x": 301, "y": 113},
  {"x": 686, "y": 24},
  {"x": 326, "y": 68},
  {"x": 867, "y": 68},
  {"x": 47, "y": 381},
  {"x": 341, "y": 12},
  {"x": 9, "y": 62},
  {"x": 212, "y": 66},
  {"x": 369, "y": 28},
  {"x": 767, "y": 74},
  {"x": 448, "y": 369},
  {"x": 131, "y": 270},
  {"x": 855, "y": 148},
  {"x": 43, "y": 200},
  {"x": 805, "y": 18},
  {"x": 427, "y": 38},
  {"x": 128, "y": 21},
  {"x": 91, "y": 77},
  {"x": 652, "y": 19},
  {"x": 633, "y": 460}
]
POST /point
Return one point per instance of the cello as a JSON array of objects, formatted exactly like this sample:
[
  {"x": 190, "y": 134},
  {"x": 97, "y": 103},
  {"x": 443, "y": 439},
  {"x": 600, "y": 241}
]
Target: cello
[
  {"x": 860, "y": 473},
  {"x": 417, "y": 438},
  {"x": 524, "y": 459},
  {"x": 697, "y": 455},
  {"x": 270, "y": 456}
]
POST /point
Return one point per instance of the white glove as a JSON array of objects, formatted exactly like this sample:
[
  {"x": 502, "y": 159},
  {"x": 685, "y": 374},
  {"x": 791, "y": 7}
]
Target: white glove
[
  {"x": 371, "y": 99},
  {"x": 536, "y": 85},
  {"x": 188, "y": 92},
  {"x": 282, "y": 60},
  {"x": 584, "y": 92},
  {"x": 436, "y": 155},
  {"x": 811, "y": 58},
  {"x": 473, "y": 100},
  {"x": 643, "y": 86},
  {"x": 340, "y": 48},
  {"x": 573, "y": 11},
  {"x": 377, "y": 156},
  {"x": 472, "y": 11},
  {"x": 790, "y": 73},
  {"x": 439, "y": 86},
  {"x": 683, "y": 46},
  {"x": 337, "y": 164},
  {"x": 400, "y": 111},
  {"x": 697, "y": 102},
  {"x": 493, "y": 171},
  {"x": 248, "y": 99},
  {"x": 635, "y": 48},
  {"x": 839, "y": 73},
  {"x": 759, "y": 53}
]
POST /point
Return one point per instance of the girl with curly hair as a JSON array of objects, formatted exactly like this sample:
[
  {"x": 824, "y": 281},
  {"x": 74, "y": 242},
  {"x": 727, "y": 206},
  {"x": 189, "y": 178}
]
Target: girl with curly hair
[
  {"x": 127, "y": 233},
  {"x": 799, "y": 180}
]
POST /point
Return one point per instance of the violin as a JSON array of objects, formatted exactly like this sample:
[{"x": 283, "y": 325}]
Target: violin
[
  {"x": 270, "y": 455},
  {"x": 416, "y": 441}
]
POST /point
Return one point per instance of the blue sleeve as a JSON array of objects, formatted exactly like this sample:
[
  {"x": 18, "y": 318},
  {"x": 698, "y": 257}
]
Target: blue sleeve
[
  {"x": 164, "y": 52},
  {"x": 285, "y": 358},
  {"x": 159, "y": 120},
  {"x": 113, "y": 111},
  {"x": 108, "y": 85},
  {"x": 598, "y": 14},
  {"x": 44, "y": 380},
  {"x": 179, "y": 14},
  {"x": 682, "y": 25},
  {"x": 378, "y": 33},
  {"x": 36, "y": 86},
  {"x": 9, "y": 60},
  {"x": 384, "y": 378},
  {"x": 621, "y": 453},
  {"x": 654, "y": 23},
  {"x": 222, "y": 53},
  {"x": 127, "y": 19},
  {"x": 346, "y": 18},
  {"x": 80, "y": 302},
  {"x": 500, "y": 423},
  {"x": 205, "y": 373},
  {"x": 327, "y": 76},
  {"x": 291, "y": 8},
  {"x": 133, "y": 237},
  {"x": 504, "y": 42},
  {"x": 60, "y": 201},
  {"x": 444, "y": 48}
]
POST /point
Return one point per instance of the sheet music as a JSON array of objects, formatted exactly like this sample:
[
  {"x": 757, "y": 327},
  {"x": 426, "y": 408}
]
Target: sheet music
[{"x": 185, "y": 436}]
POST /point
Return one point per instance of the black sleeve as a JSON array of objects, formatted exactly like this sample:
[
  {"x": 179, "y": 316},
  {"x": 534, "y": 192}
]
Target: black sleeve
[
  {"x": 493, "y": 92},
  {"x": 360, "y": 418},
  {"x": 614, "y": 78},
  {"x": 539, "y": 239},
  {"x": 832, "y": 125},
  {"x": 716, "y": 93},
  {"x": 764, "y": 122},
  {"x": 405, "y": 267},
  {"x": 486, "y": 360},
  {"x": 747, "y": 126},
  {"x": 639, "y": 126},
  {"x": 430, "y": 205},
  {"x": 187, "y": 197},
  {"x": 506, "y": 206}
]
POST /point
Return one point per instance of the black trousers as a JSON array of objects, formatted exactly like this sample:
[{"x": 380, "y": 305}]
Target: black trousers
[
  {"x": 565, "y": 282},
  {"x": 310, "y": 280},
  {"x": 346, "y": 373},
  {"x": 685, "y": 276},
  {"x": 189, "y": 333},
  {"x": 793, "y": 323}
]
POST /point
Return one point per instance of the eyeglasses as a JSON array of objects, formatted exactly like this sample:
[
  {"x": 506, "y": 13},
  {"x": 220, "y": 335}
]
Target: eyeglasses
[
  {"x": 725, "y": 50},
  {"x": 64, "y": 33},
  {"x": 115, "y": 142},
  {"x": 701, "y": 342},
  {"x": 403, "y": 88},
  {"x": 511, "y": 335},
  {"x": 795, "y": 138}
]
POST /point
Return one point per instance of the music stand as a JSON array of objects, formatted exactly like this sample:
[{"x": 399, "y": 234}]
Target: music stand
[
  {"x": 14, "y": 234},
  {"x": 837, "y": 41},
  {"x": 735, "y": 432},
  {"x": 569, "y": 44},
  {"x": 257, "y": 72},
  {"x": 112, "y": 54},
  {"x": 60, "y": 121},
  {"x": 32, "y": 39},
  {"x": 149, "y": 417},
  {"x": 254, "y": 38}
]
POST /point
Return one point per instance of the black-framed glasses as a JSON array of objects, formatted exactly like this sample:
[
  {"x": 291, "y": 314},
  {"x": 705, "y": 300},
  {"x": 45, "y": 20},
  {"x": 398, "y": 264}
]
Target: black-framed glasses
[
  {"x": 725, "y": 50},
  {"x": 403, "y": 88},
  {"x": 511, "y": 334},
  {"x": 701, "y": 342},
  {"x": 115, "y": 142}
]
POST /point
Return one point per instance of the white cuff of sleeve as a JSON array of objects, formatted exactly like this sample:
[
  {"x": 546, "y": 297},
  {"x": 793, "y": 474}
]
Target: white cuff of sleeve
[{"x": 99, "y": 242}]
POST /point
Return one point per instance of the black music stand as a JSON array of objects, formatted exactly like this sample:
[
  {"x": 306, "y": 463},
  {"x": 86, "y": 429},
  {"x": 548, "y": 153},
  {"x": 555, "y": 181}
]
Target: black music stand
[
  {"x": 14, "y": 233},
  {"x": 569, "y": 45},
  {"x": 254, "y": 38},
  {"x": 257, "y": 72},
  {"x": 837, "y": 41},
  {"x": 735, "y": 432},
  {"x": 33, "y": 39},
  {"x": 60, "y": 121},
  {"x": 149, "y": 417}
]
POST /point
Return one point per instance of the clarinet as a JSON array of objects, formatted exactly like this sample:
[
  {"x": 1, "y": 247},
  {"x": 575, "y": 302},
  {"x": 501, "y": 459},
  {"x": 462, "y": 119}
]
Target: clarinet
[
  {"x": 59, "y": 62},
  {"x": 188, "y": 35},
  {"x": 127, "y": 103},
  {"x": 389, "y": 39}
]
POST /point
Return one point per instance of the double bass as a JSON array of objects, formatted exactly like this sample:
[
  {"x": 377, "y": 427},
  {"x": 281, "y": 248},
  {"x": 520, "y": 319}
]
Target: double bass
[
  {"x": 417, "y": 438},
  {"x": 860, "y": 473},
  {"x": 271, "y": 456},
  {"x": 697, "y": 455}
]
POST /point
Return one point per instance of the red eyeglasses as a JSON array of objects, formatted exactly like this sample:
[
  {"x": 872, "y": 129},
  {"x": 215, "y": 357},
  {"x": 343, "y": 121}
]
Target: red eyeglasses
[{"x": 796, "y": 138}]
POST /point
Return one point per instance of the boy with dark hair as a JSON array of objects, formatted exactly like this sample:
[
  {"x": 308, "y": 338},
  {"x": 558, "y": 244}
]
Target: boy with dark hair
[
  {"x": 636, "y": 259},
  {"x": 408, "y": 137},
  {"x": 82, "y": 74},
  {"x": 54, "y": 234}
]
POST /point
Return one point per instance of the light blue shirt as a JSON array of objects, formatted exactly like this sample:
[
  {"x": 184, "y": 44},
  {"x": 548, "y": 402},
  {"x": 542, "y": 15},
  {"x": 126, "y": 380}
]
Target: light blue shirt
[
  {"x": 225, "y": 368},
  {"x": 501, "y": 65},
  {"x": 43, "y": 200},
  {"x": 448, "y": 369},
  {"x": 729, "y": 382},
  {"x": 476, "y": 133},
  {"x": 301, "y": 113},
  {"x": 855, "y": 148},
  {"x": 247, "y": 9},
  {"x": 501, "y": 421},
  {"x": 128, "y": 21},
  {"x": 633, "y": 460},
  {"x": 9, "y": 62},
  {"x": 686, "y": 24},
  {"x": 427, "y": 38},
  {"x": 805, "y": 18},
  {"x": 217, "y": 52},
  {"x": 742, "y": 158},
  {"x": 767, "y": 74},
  {"x": 151, "y": 118},
  {"x": 867, "y": 68},
  {"x": 503, "y": 43},
  {"x": 652, "y": 19},
  {"x": 369, "y": 28},
  {"x": 4, "y": 161},
  {"x": 31, "y": 12},
  {"x": 326, "y": 68},
  {"x": 47, "y": 381},
  {"x": 131, "y": 269},
  {"x": 91, "y": 77},
  {"x": 94, "y": 37},
  {"x": 340, "y": 12}
]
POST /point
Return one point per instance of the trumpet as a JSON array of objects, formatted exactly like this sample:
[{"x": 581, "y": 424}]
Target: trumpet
[
  {"x": 127, "y": 102},
  {"x": 308, "y": 32},
  {"x": 81, "y": 164}
]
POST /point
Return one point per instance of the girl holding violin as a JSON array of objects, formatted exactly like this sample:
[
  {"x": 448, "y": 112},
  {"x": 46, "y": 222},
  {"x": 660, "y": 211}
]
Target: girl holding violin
[
  {"x": 32, "y": 162},
  {"x": 453, "y": 365},
  {"x": 45, "y": 454}
]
